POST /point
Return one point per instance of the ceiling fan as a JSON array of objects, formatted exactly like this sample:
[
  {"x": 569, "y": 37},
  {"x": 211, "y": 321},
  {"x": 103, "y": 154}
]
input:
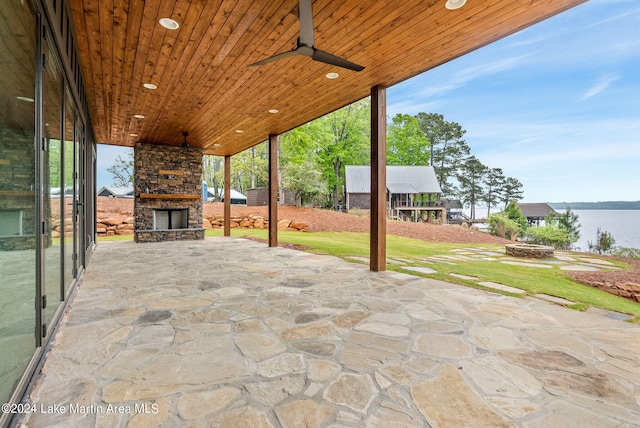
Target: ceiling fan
[{"x": 305, "y": 44}]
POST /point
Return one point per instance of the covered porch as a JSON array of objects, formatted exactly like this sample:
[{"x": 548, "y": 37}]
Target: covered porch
[
  {"x": 228, "y": 332},
  {"x": 83, "y": 72}
]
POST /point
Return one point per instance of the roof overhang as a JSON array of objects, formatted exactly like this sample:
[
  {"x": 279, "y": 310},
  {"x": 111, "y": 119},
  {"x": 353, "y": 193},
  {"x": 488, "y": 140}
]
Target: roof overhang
[{"x": 203, "y": 83}]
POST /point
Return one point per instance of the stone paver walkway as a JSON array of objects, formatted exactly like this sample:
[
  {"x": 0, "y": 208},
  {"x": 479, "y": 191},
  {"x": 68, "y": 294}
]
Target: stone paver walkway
[
  {"x": 561, "y": 259},
  {"x": 226, "y": 332}
]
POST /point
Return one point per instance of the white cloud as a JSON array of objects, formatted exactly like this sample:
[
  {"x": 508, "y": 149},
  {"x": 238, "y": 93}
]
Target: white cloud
[
  {"x": 602, "y": 84},
  {"x": 439, "y": 82},
  {"x": 462, "y": 77}
]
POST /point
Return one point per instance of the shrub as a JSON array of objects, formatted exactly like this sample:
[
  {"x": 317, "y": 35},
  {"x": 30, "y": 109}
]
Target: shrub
[
  {"x": 513, "y": 212},
  {"x": 626, "y": 252},
  {"x": 559, "y": 231},
  {"x": 504, "y": 227},
  {"x": 550, "y": 234},
  {"x": 604, "y": 243}
]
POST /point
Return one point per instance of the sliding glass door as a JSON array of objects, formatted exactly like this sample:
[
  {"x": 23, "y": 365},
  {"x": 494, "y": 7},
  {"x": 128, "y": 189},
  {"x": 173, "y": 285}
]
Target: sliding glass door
[
  {"x": 18, "y": 192},
  {"x": 53, "y": 85},
  {"x": 42, "y": 191}
]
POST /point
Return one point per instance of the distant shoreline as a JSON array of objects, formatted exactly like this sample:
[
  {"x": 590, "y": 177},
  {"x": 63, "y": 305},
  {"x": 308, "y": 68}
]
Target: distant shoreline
[{"x": 607, "y": 205}]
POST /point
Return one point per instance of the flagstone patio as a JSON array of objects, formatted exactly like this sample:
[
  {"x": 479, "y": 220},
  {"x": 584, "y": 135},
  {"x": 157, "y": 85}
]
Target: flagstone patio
[{"x": 227, "y": 332}]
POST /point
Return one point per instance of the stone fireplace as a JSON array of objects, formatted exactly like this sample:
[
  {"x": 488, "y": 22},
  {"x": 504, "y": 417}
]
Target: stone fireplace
[{"x": 167, "y": 193}]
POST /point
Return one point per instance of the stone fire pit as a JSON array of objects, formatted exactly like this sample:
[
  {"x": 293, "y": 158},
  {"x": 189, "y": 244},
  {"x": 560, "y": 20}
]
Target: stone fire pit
[{"x": 529, "y": 250}]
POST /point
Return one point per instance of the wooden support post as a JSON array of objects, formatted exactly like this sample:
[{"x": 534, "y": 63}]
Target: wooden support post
[
  {"x": 274, "y": 140},
  {"x": 227, "y": 195},
  {"x": 378, "y": 217}
]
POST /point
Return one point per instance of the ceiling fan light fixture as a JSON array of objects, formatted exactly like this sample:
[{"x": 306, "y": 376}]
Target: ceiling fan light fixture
[
  {"x": 332, "y": 75},
  {"x": 185, "y": 145},
  {"x": 149, "y": 86},
  {"x": 455, "y": 4},
  {"x": 169, "y": 23},
  {"x": 305, "y": 45}
]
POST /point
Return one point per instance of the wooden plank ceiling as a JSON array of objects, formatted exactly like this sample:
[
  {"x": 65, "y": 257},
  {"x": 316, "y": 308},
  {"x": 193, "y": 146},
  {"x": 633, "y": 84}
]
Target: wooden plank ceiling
[{"x": 203, "y": 83}]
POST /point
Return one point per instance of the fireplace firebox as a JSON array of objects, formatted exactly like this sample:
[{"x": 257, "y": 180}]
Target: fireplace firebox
[{"x": 169, "y": 219}]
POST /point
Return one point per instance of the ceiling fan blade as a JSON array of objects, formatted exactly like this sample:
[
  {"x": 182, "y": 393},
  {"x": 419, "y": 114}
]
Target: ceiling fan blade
[
  {"x": 275, "y": 57},
  {"x": 327, "y": 58},
  {"x": 305, "y": 16}
]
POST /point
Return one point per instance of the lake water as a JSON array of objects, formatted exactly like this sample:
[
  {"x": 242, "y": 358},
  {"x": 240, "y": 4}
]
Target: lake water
[{"x": 623, "y": 225}]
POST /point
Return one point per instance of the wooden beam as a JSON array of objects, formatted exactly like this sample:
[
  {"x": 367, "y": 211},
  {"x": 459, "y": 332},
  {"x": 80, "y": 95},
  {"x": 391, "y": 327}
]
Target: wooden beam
[
  {"x": 378, "y": 217},
  {"x": 274, "y": 140},
  {"x": 227, "y": 196}
]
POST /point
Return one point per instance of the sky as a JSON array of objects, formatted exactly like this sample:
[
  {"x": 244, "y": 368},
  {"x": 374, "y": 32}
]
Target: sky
[{"x": 556, "y": 106}]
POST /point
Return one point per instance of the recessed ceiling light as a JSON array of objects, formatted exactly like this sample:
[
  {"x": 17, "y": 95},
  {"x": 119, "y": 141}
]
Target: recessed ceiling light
[
  {"x": 139, "y": 116},
  {"x": 216, "y": 145},
  {"x": 133, "y": 135},
  {"x": 332, "y": 75},
  {"x": 27, "y": 99},
  {"x": 169, "y": 23},
  {"x": 239, "y": 131},
  {"x": 273, "y": 110},
  {"x": 455, "y": 4},
  {"x": 149, "y": 86}
]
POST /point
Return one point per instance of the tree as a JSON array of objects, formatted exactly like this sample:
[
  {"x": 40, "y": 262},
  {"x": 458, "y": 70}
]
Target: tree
[
  {"x": 570, "y": 222},
  {"x": 406, "y": 143},
  {"x": 342, "y": 139},
  {"x": 604, "y": 242},
  {"x": 470, "y": 177},
  {"x": 305, "y": 181},
  {"x": 494, "y": 180},
  {"x": 329, "y": 143},
  {"x": 448, "y": 149},
  {"x": 250, "y": 168},
  {"x": 511, "y": 190},
  {"x": 213, "y": 173},
  {"x": 122, "y": 171}
]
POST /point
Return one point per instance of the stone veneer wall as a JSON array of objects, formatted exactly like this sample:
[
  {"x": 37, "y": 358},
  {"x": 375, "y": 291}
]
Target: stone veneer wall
[{"x": 170, "y": 171}]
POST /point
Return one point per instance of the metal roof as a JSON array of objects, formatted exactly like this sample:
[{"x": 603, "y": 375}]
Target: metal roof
[
  {"x": 234, "y": 194},
  {"x": 401, "y": 188},
  {"x": 116, "y": 190},
  {"x": 400, "y": 179},
  {"x": 535, "y": 210}
]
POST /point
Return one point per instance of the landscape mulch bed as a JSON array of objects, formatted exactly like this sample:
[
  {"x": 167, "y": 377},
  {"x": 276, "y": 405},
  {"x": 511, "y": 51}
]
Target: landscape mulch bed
[{"x": 624, "y": 283}]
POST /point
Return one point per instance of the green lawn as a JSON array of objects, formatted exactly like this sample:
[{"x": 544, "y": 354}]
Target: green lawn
[{"x": 551, "y": 281}]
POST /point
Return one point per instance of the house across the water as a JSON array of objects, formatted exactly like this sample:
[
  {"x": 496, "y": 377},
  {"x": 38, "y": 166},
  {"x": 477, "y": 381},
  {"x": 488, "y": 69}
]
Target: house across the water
[
  {"x": 413, "y": 192},
  {"x": 535, "y": 212}
]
